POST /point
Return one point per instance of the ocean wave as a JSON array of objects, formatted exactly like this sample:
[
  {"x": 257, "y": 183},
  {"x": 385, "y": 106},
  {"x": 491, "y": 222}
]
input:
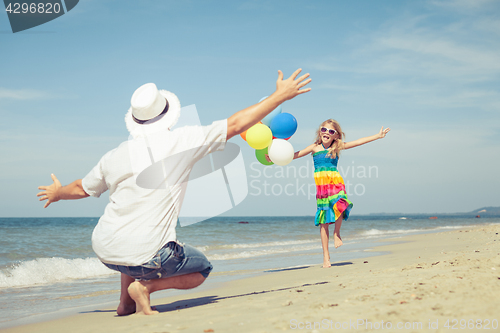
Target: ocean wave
[
  {"x": 250, "y": 254},
  {"x": 450, "y": 227},
  {"x": 379, "y": 233},
  {"x": 51, "y": 270},
  {"x": 255, "y": 245}
]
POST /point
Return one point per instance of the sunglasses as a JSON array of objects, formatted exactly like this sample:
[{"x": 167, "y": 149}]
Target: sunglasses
[{"x": 331, "y": 131}]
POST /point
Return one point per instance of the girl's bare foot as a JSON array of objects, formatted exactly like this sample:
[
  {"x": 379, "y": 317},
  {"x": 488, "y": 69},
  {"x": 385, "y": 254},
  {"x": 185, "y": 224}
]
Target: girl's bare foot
[
  {"x": 140, "y": 295},
  {"x": 326, "y": 260},
  {"x": 337, "y": 240}
]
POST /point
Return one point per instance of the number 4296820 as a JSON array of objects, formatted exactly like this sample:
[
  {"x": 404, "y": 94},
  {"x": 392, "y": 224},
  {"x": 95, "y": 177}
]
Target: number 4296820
[
  {"x": 486, "y": 324},
  {"x": 40, "y": 8}
]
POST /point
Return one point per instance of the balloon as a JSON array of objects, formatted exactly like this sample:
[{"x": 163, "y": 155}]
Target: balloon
[
  {"x": 261, "y": 156},
  {"x": 284, "y": 125},
  {"x": 259, "y": 136},
  {"x": 268, "y": 119},
  {"x": 278, "y": 138},
  {"x": 281, "y": 152},
  {"x": 244, "y": 134}
]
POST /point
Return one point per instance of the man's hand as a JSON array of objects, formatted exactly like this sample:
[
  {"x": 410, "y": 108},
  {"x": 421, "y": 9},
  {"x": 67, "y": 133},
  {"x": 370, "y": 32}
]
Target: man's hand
[
  {"x": 50, "y": 192},
  {"x": 56, "y": 192},
  {"x": 285, "y": 90},
  {"x": 291, "y": 87}
]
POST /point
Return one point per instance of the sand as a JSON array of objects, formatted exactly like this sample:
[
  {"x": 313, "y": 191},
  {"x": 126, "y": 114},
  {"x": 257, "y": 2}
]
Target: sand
[{"x": 437, "y": 282}]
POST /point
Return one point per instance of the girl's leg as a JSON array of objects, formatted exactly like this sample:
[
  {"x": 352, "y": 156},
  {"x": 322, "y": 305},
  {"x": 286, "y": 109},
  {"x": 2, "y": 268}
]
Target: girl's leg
[
  {"x": 324, "y": 242},
  {"x": 336, "y": 233}
]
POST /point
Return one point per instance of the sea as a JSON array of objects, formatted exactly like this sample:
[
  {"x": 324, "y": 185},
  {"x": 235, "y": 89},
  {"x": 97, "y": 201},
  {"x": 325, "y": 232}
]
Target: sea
[{"x": 48, "y": 268}]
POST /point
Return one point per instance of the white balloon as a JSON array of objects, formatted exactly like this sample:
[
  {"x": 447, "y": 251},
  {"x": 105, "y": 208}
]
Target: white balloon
[{"x": 280, "y": 152}]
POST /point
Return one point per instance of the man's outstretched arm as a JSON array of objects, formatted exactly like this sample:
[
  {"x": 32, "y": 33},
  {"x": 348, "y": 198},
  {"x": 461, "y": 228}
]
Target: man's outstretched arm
[
  {"x": 56, "y": 192},
  {"x": 285, "y": 90}
]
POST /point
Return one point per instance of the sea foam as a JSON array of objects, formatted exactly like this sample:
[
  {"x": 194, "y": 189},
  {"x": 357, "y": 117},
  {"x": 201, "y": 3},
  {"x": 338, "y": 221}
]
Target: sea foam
[
  {"x": 51, "y": 270},
  {"x": 258, "y": 253},
  {"x": 381, "y": 233}
]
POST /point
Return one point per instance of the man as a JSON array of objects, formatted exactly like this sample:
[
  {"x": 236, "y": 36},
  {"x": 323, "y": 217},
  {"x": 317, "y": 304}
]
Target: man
[{"x": 136, "y": 234}]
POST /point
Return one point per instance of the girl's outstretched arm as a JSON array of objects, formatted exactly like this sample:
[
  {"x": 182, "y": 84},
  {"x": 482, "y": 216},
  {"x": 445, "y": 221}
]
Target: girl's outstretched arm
[
  {"x": 297, "y": 154},
  {"x": 304, "y": 152},
  {"x": 362, "y": 141}
]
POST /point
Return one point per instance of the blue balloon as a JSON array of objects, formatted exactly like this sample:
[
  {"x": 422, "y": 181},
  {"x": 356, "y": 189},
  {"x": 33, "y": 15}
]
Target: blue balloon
[
  {"x": 283, "y": 125},
  {"x": 269, "y": 118}
]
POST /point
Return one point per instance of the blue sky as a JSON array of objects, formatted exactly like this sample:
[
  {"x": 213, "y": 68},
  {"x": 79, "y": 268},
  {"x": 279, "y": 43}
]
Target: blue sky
[{"x": 430, "y": 70}]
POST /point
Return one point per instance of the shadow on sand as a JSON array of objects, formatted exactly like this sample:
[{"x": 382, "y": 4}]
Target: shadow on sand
[{"x": 193, "y": 302}]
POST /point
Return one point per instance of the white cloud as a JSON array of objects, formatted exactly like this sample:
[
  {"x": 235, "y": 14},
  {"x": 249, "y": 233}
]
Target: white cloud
[
  {"x": 438, "y": 57},
  {"x": 441, "y": 60},
  {"x": 424, "y": 52},
  {"x": 24, "y": 94},
  {"x": 491, "y": 25},
  {"x": 255, "y": 5},
  {"x": 463, "y": 5}
]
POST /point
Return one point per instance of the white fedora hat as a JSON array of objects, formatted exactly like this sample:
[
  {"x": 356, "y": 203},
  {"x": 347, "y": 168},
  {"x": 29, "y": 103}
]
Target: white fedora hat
[{"x": 152, "y": 110}]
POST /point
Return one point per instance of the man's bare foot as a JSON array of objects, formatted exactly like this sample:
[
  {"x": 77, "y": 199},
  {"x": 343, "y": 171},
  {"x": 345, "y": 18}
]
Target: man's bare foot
[
  {"x": 140, "y": 294},
  {"x": 337, "y": 240},
  {"x": 326, "y": 264},
  {"x": 125, "y": 309}
]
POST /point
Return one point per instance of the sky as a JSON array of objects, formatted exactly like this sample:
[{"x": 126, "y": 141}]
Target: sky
[{"x": 429, "y": 70}]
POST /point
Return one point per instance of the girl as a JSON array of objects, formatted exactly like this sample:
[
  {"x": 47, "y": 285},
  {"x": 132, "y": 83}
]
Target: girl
[{"x": 333, "y": 205}]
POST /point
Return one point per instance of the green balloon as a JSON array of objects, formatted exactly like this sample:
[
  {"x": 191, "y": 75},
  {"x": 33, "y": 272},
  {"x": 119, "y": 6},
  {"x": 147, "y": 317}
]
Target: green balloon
[{"x": 261, "y": 156}]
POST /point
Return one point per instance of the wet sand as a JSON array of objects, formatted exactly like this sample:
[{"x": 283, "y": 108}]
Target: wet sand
[{"x": 425, "y": 283}]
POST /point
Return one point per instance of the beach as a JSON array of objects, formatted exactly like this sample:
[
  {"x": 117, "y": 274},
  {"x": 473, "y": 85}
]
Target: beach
[{"x": 431, "y": 282}]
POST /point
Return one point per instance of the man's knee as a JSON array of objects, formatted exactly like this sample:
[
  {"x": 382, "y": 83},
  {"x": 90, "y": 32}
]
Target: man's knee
[{"x": 206, "y": 272}]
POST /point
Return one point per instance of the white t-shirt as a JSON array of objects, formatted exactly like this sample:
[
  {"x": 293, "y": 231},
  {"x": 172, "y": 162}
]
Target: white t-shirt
[{"x": 147, "y": 179}]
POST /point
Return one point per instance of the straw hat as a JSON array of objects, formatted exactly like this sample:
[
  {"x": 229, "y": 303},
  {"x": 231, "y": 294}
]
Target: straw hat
[{"x": 152, "y": 110}]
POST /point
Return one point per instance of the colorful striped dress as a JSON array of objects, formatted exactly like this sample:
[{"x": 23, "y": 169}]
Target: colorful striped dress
[{"x": 330, "y": 190}]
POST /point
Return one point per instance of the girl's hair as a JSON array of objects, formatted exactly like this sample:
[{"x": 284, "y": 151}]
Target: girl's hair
[{"x": 338, "y": 144}]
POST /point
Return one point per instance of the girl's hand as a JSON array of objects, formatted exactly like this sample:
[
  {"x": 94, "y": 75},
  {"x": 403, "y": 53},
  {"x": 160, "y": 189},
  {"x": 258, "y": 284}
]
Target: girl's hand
[
  {"x": 267, "y": 158},
  {"x": 50, "y": 193},
  {"x": 383, "y": 132}
]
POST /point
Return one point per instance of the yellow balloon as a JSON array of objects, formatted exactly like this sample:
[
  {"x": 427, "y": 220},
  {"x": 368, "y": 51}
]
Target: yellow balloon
[{"x": 259, "y": 136}]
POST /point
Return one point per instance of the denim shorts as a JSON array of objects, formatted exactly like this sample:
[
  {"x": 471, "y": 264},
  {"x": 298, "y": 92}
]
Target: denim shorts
[{"x": 172, "y": 260}]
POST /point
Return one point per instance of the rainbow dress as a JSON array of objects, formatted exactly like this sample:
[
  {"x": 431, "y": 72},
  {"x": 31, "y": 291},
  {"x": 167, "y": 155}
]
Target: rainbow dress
[{"x": 330, "y": 190}]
